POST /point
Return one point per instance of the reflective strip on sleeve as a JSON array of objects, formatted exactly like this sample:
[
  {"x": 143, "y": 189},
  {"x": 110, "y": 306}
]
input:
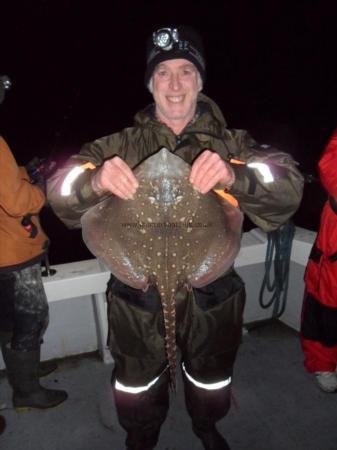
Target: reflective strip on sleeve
[
  {"x": 263, "y": 169},
  {"x": 71, "y": 177},
  {"x": 208, "y": 386},
  {"x": 135, "y": 390}
]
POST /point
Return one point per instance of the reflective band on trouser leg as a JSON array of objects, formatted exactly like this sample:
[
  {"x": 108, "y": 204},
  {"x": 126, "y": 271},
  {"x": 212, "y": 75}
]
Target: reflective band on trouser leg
[
  {"x": 208, "y": 386},
  {"x": 135, "y": 390}
]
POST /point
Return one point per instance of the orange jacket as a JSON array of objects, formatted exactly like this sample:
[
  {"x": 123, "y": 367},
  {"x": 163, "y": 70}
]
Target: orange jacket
[{"x": 18, "y": 198}]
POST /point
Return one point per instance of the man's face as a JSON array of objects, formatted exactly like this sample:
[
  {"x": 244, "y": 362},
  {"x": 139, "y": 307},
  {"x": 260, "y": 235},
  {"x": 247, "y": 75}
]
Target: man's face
[{"x": 175, "y": 86}]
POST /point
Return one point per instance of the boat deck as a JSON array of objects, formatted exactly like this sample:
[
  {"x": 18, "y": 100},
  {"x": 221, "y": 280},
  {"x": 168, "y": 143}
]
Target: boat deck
[{"x": 276, "y": 405}]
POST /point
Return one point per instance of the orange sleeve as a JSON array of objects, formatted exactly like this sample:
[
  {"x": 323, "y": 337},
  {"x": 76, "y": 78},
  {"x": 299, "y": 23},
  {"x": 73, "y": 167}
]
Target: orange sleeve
[{"x": 17, "y": 195}]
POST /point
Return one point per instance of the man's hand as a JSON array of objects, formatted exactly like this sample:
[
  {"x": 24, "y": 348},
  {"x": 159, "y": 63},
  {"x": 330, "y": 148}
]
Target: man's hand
[
  {"x": 115, "y": 176},
  {"x": 210, "y": 169}
]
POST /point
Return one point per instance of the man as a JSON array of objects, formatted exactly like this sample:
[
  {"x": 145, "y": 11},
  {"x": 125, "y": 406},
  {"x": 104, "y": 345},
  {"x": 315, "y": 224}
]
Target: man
[
  {"x": 23, "y": 302},
  {"x": 190, "y": 125},
  {"x": 319, "y": 318}
]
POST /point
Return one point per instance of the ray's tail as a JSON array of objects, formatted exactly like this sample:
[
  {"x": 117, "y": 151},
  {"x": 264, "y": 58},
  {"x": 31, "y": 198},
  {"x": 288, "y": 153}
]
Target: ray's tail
[{"x": 169, "y": 310}]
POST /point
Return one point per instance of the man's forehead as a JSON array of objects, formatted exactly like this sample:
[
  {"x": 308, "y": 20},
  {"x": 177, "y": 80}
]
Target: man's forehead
[{"x": 175, "y": 63}]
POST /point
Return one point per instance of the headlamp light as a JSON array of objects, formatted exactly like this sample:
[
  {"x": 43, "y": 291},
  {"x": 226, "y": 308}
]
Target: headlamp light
[
  {"x": 165, "y": 38},
  {"x": 5, "y": 81},
  {"x": 5, "y": 84}
]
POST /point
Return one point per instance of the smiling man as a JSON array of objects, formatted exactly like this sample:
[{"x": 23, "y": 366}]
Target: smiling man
[
  {"x": 175, "y": 85},
  {"x": 209, "y": 319}
]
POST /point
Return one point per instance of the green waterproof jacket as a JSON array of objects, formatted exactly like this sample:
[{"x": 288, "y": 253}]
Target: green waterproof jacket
[{"x": 268, "y": 205}]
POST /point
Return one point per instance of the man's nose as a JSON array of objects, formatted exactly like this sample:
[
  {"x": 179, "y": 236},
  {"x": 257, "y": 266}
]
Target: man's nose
[{"x": 175, "y": 81}]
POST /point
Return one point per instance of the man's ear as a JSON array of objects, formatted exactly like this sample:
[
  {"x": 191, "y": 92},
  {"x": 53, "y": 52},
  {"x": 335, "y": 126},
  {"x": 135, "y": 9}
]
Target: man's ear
[
  {"x": 200, "y": 86},
  {"x": 150, "y": 85}
]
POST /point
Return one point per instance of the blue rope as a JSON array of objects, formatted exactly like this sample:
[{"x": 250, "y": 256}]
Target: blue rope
[{"x": 278, "y": 258}]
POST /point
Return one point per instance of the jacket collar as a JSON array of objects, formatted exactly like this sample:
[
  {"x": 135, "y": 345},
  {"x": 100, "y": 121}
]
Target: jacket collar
[{"x": 209, "y": 118}]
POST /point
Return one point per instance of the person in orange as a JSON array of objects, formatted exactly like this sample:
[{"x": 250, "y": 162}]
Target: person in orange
[
  {"x": 319, "y": 315},
  {"x": 23, "y": 302}
]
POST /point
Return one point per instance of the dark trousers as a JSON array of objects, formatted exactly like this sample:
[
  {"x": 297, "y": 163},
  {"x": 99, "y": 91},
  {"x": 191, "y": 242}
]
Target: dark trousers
[
  {"x": 24, "y": 307},
  {"x": 141, "y": 415},
  {"x": 209, "y": 326}
]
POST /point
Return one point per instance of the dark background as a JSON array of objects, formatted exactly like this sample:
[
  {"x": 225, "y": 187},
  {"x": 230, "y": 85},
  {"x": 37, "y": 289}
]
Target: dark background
[{"x": 77, "y": 71}]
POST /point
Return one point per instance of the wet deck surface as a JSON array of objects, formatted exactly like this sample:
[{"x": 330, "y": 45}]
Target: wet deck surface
[{"x": 277, "y": 406}]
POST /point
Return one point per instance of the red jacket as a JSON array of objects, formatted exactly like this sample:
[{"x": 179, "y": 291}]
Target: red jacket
[
  {"x": 321, "y": 272},
  {"x": 18, "y": 199}
]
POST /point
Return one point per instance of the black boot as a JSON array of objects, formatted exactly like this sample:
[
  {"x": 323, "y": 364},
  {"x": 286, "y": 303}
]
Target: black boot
[
  {"x": 2, "y": 424},
  {"x": 211, "y": 438},
  {"x": 45, "y": 368},
  {"x": 5, "y": 337},
  {"x": 206, "y": 407},
  {"x": 141, "y": 415},
  {"x": 22, "y": 371}
]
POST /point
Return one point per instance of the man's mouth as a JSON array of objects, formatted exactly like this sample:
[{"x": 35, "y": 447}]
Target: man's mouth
[{"x": 175, "y": 99}]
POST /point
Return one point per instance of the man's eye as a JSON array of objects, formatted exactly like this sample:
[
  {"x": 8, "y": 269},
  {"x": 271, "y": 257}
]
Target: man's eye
[
  {"x": 162, "y": 73},
  {"x": 187, "y": 72}
]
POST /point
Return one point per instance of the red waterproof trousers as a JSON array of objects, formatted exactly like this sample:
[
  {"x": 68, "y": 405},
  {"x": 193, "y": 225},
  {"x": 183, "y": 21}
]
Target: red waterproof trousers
[{"x": 319, "y": 314}]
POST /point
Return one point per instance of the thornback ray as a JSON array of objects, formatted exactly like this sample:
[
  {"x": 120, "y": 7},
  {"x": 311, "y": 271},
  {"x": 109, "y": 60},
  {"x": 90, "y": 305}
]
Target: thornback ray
[{"x": 169, "y": 235}]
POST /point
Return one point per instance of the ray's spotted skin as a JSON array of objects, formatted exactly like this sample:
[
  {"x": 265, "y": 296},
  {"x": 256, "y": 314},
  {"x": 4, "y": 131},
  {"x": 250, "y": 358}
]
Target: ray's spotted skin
[{"x": 169, "y": 235}]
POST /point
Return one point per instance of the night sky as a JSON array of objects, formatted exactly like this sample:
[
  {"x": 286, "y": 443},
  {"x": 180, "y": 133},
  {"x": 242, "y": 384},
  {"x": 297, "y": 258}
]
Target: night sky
[{"x": 77, "y": 71}]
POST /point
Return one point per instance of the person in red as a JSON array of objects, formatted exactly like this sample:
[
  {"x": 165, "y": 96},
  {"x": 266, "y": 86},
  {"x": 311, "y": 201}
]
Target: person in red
[{"x": 319, "y": 314}]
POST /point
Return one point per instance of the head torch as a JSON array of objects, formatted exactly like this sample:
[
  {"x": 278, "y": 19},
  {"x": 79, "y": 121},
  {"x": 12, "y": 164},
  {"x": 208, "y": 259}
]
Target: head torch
[
  {"x": 165, "y": 38},
  {"x": 174, "y": 42},
  {"x": 5, "y": 84}
]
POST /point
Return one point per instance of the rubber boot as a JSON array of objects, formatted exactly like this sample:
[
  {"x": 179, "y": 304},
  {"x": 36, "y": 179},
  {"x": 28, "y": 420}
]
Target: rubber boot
[
  {"x": 206, "y": 407},
  {"x": 141, "y": 415},
  {"x": 22, "y": 370},
  {"x": 2, "y": 424},
  {"x": 45, "y": 368},
  {"x": 5, "y": 337}
]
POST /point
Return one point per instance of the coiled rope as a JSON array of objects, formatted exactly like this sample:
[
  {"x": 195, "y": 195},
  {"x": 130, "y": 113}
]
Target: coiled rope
[{"x": 277, "y": 260}]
